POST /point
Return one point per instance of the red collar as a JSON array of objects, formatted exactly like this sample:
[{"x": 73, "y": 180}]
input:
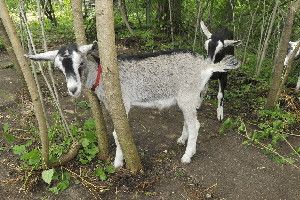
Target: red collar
[{"x": 98, "y": 78}]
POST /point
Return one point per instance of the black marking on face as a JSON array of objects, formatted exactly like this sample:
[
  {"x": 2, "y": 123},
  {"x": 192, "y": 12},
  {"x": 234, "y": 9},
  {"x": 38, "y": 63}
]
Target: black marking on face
[
  {"x": 67, "y": 64},
  {"x": 289, "y": 49},
  {"x": 69, "y": 48},
  {"x": 220, "y": 35}
]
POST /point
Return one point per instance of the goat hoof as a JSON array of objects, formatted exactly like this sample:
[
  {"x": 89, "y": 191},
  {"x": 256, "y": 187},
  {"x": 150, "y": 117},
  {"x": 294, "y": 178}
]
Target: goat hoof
[
  {"x": 220, "y": 113},
  {"x": 118, "y": 163},
  {"x": 185, "y": 159},
  {"x": 181, "y": 141}
]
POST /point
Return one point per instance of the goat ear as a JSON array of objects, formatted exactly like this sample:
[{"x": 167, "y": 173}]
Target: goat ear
[
  {"x": 47, "y": 56},
  {"x": 231, "y": 43},
  {"x": 205, "y": 30},
  {"x": 85, "y": 48}
]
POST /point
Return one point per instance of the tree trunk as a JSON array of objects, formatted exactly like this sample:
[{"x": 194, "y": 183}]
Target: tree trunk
[
  {"x": 276, "y": 79},
  {"x": 49, "y": 11},
  {"x": 108, "y": 57},
  {"x": 121, "y": 5},
  {"x": 101, "y": 131},
  {"x": 266, "y": 43},
  {"x": 9, "y": 49},
  {"x": 197, "y": 24},
  {"x": 163, "y": 15},
  {"x": 149, "y": 13},
  {"x": 19, "y": 52}
]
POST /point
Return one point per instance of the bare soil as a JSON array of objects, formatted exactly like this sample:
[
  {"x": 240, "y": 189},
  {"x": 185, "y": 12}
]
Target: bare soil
[{"x": 223, "y": 168}]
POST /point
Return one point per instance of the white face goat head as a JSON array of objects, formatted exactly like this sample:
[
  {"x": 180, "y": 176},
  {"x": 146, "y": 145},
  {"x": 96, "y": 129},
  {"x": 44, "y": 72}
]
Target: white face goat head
[
  {"x": 219, "y": 44},
  {"x": 291, "y": 48},
  {"x": 70, "y": 60}
]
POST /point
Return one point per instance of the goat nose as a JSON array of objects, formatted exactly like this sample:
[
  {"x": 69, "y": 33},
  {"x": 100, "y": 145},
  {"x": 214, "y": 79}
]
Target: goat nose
[{"x": 73, "y": 90}]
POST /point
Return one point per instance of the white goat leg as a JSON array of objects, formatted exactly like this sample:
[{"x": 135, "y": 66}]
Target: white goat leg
[
  {"x": 202, "y": 95},
  {"x": 298, "y": 85},
  {"x": 188, "y": 107},
  {"x": 184, "y": 135},
  {"x": 220, "y": 103},
  {"x": 119, "y": 159},
  {"x": 193, "y": 128}
]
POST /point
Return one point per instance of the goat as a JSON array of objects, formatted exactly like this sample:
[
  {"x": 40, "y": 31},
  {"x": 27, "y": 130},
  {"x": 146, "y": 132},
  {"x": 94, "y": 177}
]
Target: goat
[
  {"x": 291, "y": 48},
  {"x": 157, "y": 80},
  {"x": 218, "y": 45}
]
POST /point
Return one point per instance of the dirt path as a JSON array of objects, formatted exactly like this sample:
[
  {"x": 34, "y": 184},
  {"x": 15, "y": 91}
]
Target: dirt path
[{"x": 222, "y": 168}]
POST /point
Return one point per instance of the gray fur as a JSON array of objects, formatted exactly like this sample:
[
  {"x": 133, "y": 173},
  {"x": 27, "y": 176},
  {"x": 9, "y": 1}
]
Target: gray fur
[{"x": 156, "y": 81}]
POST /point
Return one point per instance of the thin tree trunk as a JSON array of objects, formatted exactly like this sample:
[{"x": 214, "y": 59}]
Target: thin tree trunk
[
  {"x": 171, "y": 21},
  {"x": 10, "y": 50},
  {"x": 197, "y": 25},
  {"x": 249, "y": 32},
  {"x": 101, "y": 131},
  {"x": 19, "y": 52},
  {"x": 276, "y": 79},
  {"x": 232, "y": 4},
  {"x": 49, "y": 11},
  {"x": 262, "y": 30},
  {"x": 121, "y": 5},
  {"x": 149, "y": 12},
  {"x": 266, "y": 43},
  {"x": 108, "y": 57}
]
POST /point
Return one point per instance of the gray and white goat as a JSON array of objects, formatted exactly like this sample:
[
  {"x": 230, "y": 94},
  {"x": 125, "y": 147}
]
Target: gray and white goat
[
  {"x": 157, "y": 80},
  {"x": 218, "y": 45},
  {"x": 291, "y": 48}
]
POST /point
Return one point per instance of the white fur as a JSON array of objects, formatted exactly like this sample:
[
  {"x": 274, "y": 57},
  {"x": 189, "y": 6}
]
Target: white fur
[
  {"x": 159, "y": 82},
  {"x": 49, "y": 55},
  {"x": 287, "y": 58},
  {"x": 205, "y": 30},
  {"x": 231, "y": 43},
  {"x": 220, "y": 104},
  {"x": 219, "y": 47},
  {"x": 293, "y": 46},
  {"x": 85, "y": 48},
  {"x": 118, "y": 162},
  {"x": 298, "y": 85}
]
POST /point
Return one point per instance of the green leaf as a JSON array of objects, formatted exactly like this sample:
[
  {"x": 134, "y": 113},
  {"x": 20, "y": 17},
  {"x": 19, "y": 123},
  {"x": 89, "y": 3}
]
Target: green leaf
[
  {"x": 54, "y": 190},
  {"x": 5, "y": 127},
  {"x": 227, "y": 125},
  {"x": 2, "y": 149},
  {"x": 85, "y": 142},
  {"x": 110, "y": 169},
  {"x": 19, "y": 149},
  {"x": 33, "y": 157},
  {"x": 9, "y": 138},
  {"x": 63, "y": 185},
  {"x": 101, "y": 174},
  {"x": 47, "y": 175}
]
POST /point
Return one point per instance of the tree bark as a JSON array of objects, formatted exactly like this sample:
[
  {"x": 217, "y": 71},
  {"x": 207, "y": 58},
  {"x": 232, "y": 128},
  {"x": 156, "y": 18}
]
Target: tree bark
[
  {"x": 266, "y": 43},
  {"x": 9, "y": 49},
  {"x": 163, "y": 14},
  {"x": 19, "y": 52},
  {"x": 148, "y": 12},
  {"x": 108, "y": 57},
  {"x": 49, "y": 11},
  {"x": 101, "y": 131},
  {"x": 274, "y": 94},
  {"x": 121, "y": 5}
]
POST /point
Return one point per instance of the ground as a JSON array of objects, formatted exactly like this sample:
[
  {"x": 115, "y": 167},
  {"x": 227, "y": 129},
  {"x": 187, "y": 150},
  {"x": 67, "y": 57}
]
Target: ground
[{"x": 223, "y": 168}]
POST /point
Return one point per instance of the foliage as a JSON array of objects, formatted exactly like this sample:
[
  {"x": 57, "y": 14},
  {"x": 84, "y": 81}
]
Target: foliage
[
  {"x": 102, "y": 172},
  {"x": 59, "y": 180},
  {"x": 8, "y": 137}
]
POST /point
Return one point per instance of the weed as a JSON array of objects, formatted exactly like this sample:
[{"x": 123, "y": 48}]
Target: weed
[
  {"x": 8, "y": 137},
  {"x": 103, "y": 171}
]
